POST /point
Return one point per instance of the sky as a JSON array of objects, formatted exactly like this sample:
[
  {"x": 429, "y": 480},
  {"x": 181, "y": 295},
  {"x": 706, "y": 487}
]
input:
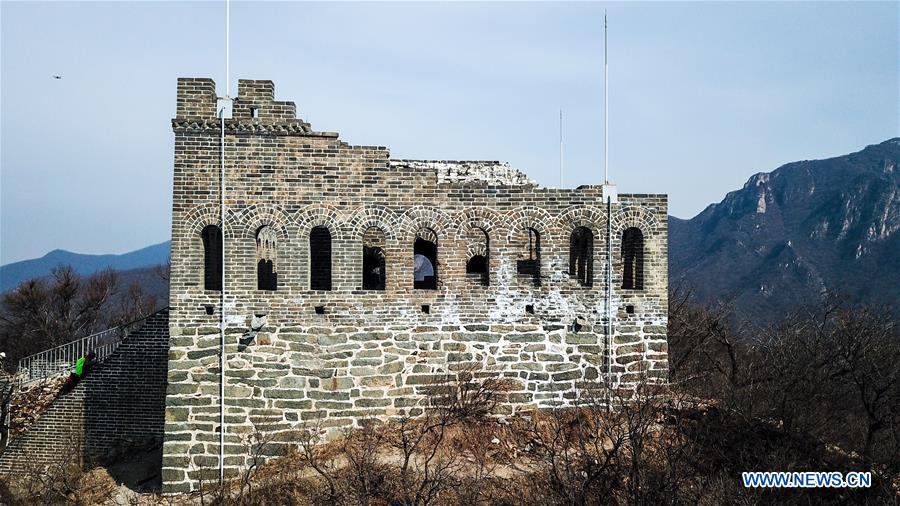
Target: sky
[{"x": 701, "y": 95}]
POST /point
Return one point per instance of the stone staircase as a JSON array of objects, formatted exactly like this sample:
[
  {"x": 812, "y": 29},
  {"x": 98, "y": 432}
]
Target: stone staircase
[{"x": 119, "y": 406}]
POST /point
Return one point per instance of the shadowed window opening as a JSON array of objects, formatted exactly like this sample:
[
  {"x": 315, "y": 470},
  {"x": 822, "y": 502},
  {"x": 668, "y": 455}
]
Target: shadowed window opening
[
  {"x": 373, "y": 268},
  {"x": 425, "y": 273},
  {"x": 320, "y": 309},
  {"x": 374, "y": 275},
  {"x": 426, "y": 308},
  {"x": 212, "y": 257},
  {"x": 254, "y": 112},
  {"x": 319, "y": 259},
  {"x": 629, "y": 309},
  {"x": 529, "y": 309},
  {"x": 530, "y": 265},
  {"x": 478, "y": 265},
  {"x": 581, "y": 256},
  {"x": 633, "y": 259},
  {"x": 266, "y": 275},
  {"x": 208, "y": 308}
]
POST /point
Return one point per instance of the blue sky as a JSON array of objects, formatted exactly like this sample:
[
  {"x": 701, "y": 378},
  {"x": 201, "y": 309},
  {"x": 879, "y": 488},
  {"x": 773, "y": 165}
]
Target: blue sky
[{"x": 702, "y": 95}]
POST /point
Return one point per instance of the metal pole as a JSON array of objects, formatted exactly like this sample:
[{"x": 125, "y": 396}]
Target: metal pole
[
  {"x": 609, "y": 336},
  {"x": 605, "y": 104},
  {"x": 222, "y": 231},
  {"x": 222, "y": 313},
  {"x": 560, "y": 148}
]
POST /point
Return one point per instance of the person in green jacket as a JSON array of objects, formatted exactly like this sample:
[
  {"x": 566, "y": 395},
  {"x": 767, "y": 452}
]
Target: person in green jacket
[
  {"x": 82, "y": 366},
  {"x": 79, "y": 365}
]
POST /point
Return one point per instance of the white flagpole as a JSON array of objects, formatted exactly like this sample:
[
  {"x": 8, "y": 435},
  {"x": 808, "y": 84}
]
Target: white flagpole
[
  {"x": 560, "y": 147},
  {"x": 222, "y": 218},
  {"x": 605, "y": 103}
]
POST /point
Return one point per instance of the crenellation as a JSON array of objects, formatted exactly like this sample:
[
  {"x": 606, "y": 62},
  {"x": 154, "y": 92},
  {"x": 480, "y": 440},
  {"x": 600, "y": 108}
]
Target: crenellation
[{"x": 196, "y": 98}]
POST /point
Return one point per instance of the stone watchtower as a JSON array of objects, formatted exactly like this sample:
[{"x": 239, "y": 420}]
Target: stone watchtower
[{"x": 354, "y": 281}]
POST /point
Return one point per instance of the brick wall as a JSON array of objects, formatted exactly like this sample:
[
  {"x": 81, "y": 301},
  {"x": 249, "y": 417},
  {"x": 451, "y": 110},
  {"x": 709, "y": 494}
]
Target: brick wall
[
  {"x": 118, "y": 406},
  {"x": 374, "y": 352}
]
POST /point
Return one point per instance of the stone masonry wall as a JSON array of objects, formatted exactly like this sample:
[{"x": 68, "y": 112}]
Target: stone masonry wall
[
  {"x": 118, "y": 406},
  {"x": 339, "y": 355}
]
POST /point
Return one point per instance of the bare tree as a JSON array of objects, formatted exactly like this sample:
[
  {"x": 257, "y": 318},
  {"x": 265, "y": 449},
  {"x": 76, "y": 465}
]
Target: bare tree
[
  {"x": 132, "y": 305},
  {"x": 41, "y": 314},
  {"x": 164, "y": 271}
]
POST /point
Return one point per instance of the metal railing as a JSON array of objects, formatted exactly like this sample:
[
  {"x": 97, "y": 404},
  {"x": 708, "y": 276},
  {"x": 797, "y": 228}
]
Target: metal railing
[{"x": 62, "y": 358}]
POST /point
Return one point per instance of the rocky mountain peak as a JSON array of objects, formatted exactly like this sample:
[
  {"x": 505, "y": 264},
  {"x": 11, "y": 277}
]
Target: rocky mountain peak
[{"x": 805, "y": 227}]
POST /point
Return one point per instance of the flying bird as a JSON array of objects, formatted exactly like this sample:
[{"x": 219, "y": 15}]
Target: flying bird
[{"x": 57, "y": 77}]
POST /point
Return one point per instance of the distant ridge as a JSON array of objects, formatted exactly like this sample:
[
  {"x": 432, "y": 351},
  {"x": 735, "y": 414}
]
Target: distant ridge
[
  {"x": 14, "y": 273},
  {"x": 790, "y": 234}
]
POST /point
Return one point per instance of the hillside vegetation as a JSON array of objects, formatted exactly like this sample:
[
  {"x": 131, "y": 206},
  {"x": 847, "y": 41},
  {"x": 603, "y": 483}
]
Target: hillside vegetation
[
  {"x": 791, "y": 234},
  {"x": 818, "y": 391}
]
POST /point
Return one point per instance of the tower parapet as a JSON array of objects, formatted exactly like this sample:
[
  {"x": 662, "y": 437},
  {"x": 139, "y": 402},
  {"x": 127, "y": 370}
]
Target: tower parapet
[{"x": 254, "y": 110}]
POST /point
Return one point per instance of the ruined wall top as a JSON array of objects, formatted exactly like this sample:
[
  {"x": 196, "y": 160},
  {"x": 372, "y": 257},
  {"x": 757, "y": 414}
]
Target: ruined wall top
[
  {"x": 471, "y": 171},
  {"x": 255, "y": 111}
]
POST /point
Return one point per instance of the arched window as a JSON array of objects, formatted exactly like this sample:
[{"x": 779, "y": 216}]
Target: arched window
[
  {"x": 581, "y": 256},
  {"x": 374, "y": 274},
  {"x": 479, "y": 249},
  {"x": 425, "y": 274},
  {"x": 319, "y": 259},
  {"x": 266, "y": 275},
  {"x": 529, "y": 261},
  {"x": 633, "y": 259},
  {"x": 212, "y": 257}
]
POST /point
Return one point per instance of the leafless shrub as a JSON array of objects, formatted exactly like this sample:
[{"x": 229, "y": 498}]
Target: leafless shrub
[
  {"x": 257, "y": 444},
  {"x": 60, "y": 481},
  {"x": 600, "y": 450},
  {"x": 488, "y": 476},
  {"x": 466, "y": 396},
  {"x": 322, "y": 459},
  {"x": 425, "y": 471},
  {"x": 818, "y": 390},
  {"x": 210, "y": 490},
  {"x": 833, "y": 373},
  {"x": 366, "y": 476}
]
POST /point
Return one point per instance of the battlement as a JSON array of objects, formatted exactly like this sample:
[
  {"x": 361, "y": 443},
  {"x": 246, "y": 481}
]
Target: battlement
[
  {"x": 255, "y": 101},
  {"x": 196, "y": 98}
]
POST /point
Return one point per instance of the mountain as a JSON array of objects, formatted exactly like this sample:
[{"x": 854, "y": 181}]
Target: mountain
[
  {"x": 789, "y": 234},
  {"x": 13, "y": 274}
]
